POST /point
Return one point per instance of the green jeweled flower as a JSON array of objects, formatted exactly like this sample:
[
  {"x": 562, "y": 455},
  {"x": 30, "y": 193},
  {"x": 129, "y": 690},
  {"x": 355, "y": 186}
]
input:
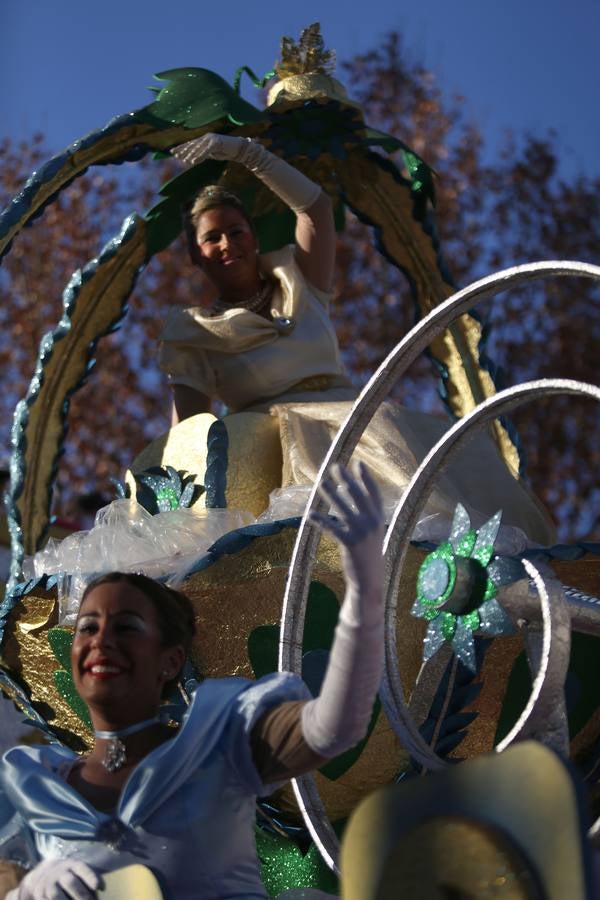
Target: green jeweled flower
[
  {"x": 161, "y": 489},
  {"x": 456, "y": 589}
]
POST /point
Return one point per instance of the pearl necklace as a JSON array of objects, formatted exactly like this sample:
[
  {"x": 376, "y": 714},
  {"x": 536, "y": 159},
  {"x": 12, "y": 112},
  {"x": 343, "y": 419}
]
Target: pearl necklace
[{"x": 253, "y": 304}]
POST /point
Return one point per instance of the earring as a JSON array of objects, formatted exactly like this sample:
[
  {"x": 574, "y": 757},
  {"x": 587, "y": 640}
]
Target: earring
[{"x": 165, "y": 673}]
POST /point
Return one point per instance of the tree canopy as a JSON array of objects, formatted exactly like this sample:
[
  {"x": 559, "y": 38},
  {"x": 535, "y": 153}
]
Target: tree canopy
[{"x": 493, "y": 211}]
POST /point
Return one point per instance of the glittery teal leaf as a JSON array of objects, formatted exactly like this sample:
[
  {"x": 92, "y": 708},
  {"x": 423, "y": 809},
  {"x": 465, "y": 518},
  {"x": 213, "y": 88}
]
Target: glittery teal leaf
[
  {"x": 61, "y": 640},
  {"x": 284, "y": 866},
  {"x": 65, "y": 687}
]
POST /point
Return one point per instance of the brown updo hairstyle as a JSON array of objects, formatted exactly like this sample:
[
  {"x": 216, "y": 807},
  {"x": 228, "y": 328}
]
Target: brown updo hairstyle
[
  {"x": 174, "y": 610},
  {"x": 210, "y": 197}
]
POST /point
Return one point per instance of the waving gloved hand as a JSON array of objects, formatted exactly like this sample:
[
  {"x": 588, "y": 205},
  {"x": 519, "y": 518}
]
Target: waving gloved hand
[
  {"x": 338, "y": 718},
  {"x": 211, "y": 146},
  {"x": 358, "y": 526},
  {"x": 58, "y": 879},
  {"x": 294, "y": 188}
]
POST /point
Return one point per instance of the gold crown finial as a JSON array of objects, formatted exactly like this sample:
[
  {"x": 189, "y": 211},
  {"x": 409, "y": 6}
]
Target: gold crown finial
[{"x": 307, "y": 56}]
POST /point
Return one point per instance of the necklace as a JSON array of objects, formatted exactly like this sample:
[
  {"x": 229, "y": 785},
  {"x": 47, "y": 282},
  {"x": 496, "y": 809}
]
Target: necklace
[
  {"x": 116, "y": 753},
  {"x": 253, "y": 304}
]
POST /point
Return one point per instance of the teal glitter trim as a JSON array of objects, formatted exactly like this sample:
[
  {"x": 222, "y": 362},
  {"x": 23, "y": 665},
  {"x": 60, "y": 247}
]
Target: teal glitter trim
[
  {"x": 215, "y": 478},
  {"x": 48, "y": 346}
]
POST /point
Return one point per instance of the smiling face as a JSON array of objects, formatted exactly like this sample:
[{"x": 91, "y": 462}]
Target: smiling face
[
  {"x": 118, "y": 659},
  {"x": 227, "y": 247}
]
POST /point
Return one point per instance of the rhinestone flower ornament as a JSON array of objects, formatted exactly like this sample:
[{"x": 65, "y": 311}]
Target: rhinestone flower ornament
[
  {"x": 457, "y": 588},
  {"x": 161, "y": 489}
]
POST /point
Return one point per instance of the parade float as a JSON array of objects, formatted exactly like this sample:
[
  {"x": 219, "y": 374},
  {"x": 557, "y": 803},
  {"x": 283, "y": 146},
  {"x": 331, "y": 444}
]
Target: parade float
[{"x": 480, "y": 642}]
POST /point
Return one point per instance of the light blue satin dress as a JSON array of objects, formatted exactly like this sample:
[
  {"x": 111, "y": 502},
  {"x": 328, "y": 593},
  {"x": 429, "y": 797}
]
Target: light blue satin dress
[{"x": 186, "y": 811}]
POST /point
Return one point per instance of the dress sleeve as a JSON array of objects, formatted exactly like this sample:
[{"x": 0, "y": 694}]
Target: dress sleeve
[
  {"x": 16, "y": 841},
  {"x": 251, "y": 705},
  {"x": 279, "y": 749},
  {"x": 181, "y": 358},
  {"x": 324, "y": 297}
]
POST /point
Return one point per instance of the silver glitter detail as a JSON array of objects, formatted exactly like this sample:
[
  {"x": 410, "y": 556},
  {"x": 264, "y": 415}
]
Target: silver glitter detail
[
  {"x": 434, "y": 638},
  {"x": 463, "y": 645},
  {"x": 434, "y": 578},
  {"x": 461, "y": 525},
  {"x": 115, "y": 755},
  {"x": 419, "y": 609},
  {"x": 494, "y": 620},
  {"x": 486, "y": 537}
]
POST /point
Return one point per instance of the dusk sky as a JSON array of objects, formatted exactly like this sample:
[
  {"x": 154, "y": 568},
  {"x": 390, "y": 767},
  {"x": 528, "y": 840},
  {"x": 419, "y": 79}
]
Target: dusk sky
[{"x": 68, "y": 67}]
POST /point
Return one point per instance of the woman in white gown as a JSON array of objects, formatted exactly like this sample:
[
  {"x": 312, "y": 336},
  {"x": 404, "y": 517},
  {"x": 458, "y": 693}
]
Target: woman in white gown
[{"x": 267, "y": 344}]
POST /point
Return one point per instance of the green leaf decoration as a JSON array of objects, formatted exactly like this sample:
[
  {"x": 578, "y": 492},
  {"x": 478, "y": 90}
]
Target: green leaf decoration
[
  {"x": 581, "y": 695},
  {"x": 164, "y": 221},
  {"x": 284, "y": 866},
  {"x": 64, "y": 685},
  {"x": 196, "y": 97},
  {"x": 322, "y": 610},
  {"x": 262, "y": 649},
  {"x": 61, "y": 640},
  {"x": 163, "y": 488}
]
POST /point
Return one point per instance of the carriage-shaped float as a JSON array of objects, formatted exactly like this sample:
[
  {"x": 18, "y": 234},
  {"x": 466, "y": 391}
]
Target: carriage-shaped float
[{"x": 479, "y": 643}]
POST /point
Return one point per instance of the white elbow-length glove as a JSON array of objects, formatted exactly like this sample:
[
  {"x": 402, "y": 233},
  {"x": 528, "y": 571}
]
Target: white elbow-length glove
[
  {"x": 58, "y": 879},
  {"x": 295, "y": 189},
  {"x": 338, "y": 718}
]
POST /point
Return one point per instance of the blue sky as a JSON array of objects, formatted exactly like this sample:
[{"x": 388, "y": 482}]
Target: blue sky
[{"x": 67, "y": 67}]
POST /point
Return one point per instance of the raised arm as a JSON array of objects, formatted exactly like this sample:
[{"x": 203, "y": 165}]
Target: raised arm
[
  {"x": 296, "y": 737},
  {"x": 315, "y": 232}
]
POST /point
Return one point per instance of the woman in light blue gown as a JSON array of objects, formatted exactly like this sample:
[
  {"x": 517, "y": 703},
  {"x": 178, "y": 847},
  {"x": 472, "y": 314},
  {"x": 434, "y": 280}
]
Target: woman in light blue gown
[{"x": 182, "y": 802}]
